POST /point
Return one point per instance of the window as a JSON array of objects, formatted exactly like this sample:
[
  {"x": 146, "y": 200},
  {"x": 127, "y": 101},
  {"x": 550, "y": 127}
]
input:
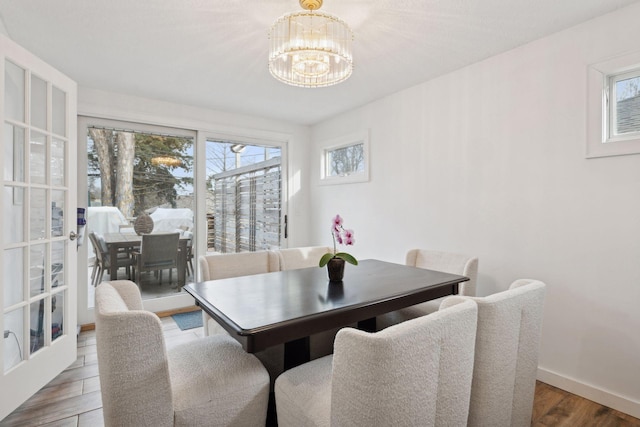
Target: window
[
  {"x": 345, "y": 159},
  {"x": 623, "y": 102},
  {"x": 613, "y": 110},
  {"x": 244, "y": 196},
  {"x": 135, "y": 169}
]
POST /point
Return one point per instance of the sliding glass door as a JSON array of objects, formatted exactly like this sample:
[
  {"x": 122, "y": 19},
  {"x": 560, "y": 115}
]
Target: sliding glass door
[
  {"x": 244, "y": 196},
  {"x": 136, "y": 174},
  {"x": 227, "y": 192}
]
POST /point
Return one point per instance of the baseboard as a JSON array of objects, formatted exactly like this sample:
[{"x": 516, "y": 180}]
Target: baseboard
[{"x": 590, "y": 392}]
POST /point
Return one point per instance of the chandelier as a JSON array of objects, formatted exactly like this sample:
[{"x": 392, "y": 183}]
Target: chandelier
[
  {"x": 310, "y": 48},
  {"x": 166, "y": 161}
]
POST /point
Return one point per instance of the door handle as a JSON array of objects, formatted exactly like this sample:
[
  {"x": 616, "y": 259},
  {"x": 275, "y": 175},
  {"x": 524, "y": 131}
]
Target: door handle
[{"x": 73, "y": 236}]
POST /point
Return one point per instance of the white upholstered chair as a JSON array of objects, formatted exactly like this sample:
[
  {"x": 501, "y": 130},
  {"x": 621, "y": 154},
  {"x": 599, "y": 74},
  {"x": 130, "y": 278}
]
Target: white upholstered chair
[
  {"x": 415, "y": 373},
  {"x": 294, "y": 258},
  {"x": 210, "y": 381},
  {"x": 223, "y": 266},
  {"x": 506, "y": 361},
  {"x": 452, "y": 263}
]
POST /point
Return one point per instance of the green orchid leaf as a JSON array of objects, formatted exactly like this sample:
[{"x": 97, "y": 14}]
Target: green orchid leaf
[
  {"x": 325, "y": 259},
  {"x": 347, "y": 257}
]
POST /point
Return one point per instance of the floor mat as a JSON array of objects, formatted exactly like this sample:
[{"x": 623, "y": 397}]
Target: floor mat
[{"x": 190, "y": 320}]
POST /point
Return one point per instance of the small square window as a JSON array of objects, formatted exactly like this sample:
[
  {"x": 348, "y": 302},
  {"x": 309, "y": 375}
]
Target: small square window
[
  {"x": 613, "y": 107},
  {"x": 624, "y": 105},
  {"x": 345, "y": 159}
]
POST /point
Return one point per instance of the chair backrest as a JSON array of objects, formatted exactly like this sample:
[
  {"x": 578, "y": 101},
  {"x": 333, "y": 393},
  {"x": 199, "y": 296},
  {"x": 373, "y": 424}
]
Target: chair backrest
[
  {"x": 100, "y": 249},
  {"x": 223, "y": 266},
  {"x": 449, "y": 263},
  {"x": 417, "y": 372},
  {"x": 506, "y": 362},
  {"x": 159, "y": 250},
  {"x": 293, "y": 258},
  {"x": 132, "y": 359}
]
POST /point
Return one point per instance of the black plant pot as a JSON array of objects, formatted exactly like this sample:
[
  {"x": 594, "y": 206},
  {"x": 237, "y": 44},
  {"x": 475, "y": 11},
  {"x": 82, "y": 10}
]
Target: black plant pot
[{"x": 335, "y": 268}]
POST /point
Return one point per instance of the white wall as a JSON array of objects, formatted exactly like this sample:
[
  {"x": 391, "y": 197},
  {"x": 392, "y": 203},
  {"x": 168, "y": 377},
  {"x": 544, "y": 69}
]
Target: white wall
[
  {"x": 490, "y": 161},
  {"x": 3, "y": 29}
]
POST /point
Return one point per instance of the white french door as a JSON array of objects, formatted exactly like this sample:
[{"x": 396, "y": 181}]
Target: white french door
[{"x": 38, "y": 215}]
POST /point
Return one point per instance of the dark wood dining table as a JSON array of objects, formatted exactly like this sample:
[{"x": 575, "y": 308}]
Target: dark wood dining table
[
  {"x": 287, "y": 307},
  {"x": 130, "y": 241}
]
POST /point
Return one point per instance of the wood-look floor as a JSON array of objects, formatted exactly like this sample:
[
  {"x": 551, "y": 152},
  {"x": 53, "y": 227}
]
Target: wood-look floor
[{"x": 73, "y": 399}]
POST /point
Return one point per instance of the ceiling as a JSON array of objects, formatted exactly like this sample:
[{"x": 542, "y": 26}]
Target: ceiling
[{"x": 213, "y": 53}]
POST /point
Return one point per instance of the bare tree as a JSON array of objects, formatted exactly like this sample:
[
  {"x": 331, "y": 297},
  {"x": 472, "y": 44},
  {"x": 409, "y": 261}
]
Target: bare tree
[
  {"x": 126, "y": 148},
  {"x": 103, "y": 144},
  {"x": 115, "y": 154},
  {"x": 628, "y": 88},
  {"x": 347, "y": 160}
]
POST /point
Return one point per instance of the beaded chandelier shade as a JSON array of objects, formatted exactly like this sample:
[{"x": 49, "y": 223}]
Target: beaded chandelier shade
[
  {"x": 310, "y": 48},
  {"x": 166, "y": 161}
]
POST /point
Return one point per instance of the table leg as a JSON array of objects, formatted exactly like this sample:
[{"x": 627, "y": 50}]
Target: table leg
[
  {"x": 272, "y": 415},
  {"x": 113, "y": 261},
  {"x": 296, "y": 353},
  {"x": 368, "y": 325},
  {"x": 182, "y": 263}
]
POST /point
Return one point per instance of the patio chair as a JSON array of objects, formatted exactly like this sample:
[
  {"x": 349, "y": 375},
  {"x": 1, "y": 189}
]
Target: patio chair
[
  {"x": 103, "y": 259},
  {"x": 157, "y": 252},
  {"x": 187, "y": 233}
]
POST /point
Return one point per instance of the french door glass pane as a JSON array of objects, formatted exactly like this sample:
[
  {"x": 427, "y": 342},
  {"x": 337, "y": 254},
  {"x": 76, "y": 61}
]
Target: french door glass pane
[
  {"x": 38, "y": 102},
  {"x": 37, "y": 156},
  {"x": 13, "y": 214},
  {"x": 38, "y": 213},
  {"x": 14, "y": 92},
  {"x": 57, "y": 213},
  {"x": 57, "y": 162},
  {"x": 59, "y": 111},
  {"x": 13, "y": 153},
  {"x": 13, "y": 276},
  {"x": 57, "y": 265},
  {"x": 37, "y": 320},
  {"x": 57, "y": 314},
  {"x": 36, "y": 270},
  {"x": 13, "y": 350}
]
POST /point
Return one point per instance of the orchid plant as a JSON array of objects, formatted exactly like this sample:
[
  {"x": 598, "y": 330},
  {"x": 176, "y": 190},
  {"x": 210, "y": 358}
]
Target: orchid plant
[{"x": 343, "y": 237}]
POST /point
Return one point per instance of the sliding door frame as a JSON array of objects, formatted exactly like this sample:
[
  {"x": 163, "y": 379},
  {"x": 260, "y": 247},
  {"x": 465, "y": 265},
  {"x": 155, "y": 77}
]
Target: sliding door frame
[
  {"x": 179, "y": 300},
  {"x": 259, "y": 138},
  {"x": 202, "y": 132}
]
